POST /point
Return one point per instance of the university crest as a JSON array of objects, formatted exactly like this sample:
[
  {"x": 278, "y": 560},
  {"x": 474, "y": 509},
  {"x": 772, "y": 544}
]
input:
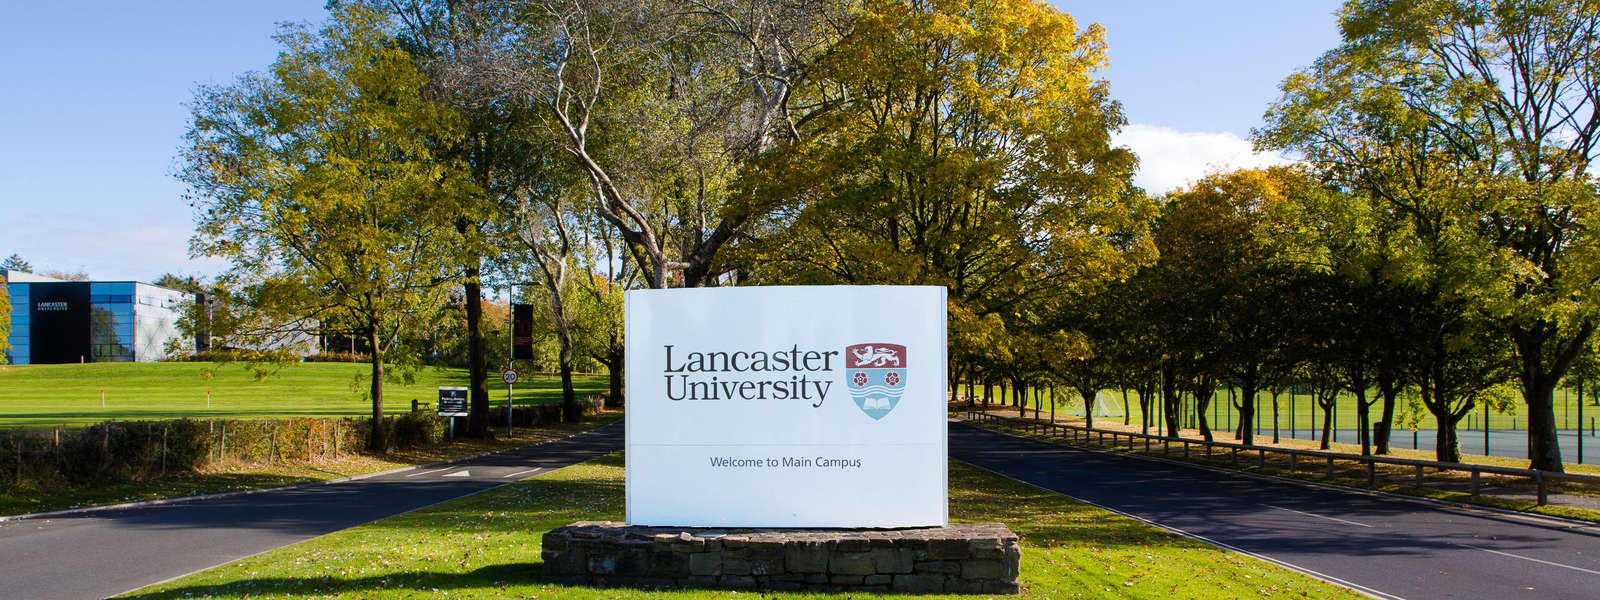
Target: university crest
[{"x": 876, "y": 374}]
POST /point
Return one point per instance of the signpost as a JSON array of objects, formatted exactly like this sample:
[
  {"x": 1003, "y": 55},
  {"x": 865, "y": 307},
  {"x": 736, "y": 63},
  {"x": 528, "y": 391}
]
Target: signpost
[
  {"x": 510, "y": 377},
  {"x": 811, "y": 406},
  {"x": 452, "y": 404}
]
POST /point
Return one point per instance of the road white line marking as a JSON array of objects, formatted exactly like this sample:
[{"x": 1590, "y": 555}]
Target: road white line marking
[
  {"x": 427, "y": 472},
  {"x": 1301, "y": 512},
  {"x": 521, "y": 472},
  {"x": 1261, "y": 557},
  {"x": 461, "y": 473},
  {"x": 1542, "y": 562}
]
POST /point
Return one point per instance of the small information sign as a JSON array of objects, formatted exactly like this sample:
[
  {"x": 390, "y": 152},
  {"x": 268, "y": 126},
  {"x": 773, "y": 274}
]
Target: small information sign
[{"x": 453, "y": 402}]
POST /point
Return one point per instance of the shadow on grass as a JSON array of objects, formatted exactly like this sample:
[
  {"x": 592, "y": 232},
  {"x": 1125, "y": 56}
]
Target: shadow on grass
[{"x": 488, "y": 577}]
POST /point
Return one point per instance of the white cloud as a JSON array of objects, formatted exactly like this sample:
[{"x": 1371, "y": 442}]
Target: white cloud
[{"x": 1170, "y": 159}]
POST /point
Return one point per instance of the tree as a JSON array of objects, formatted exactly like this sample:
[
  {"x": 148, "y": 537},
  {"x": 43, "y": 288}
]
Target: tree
[
  {"x": 658, "y": 103},
  {"x": 15, "y": 263},
  {"x": 547, "y": 227},
  {"x": 318, "y": 184},
  {"x": 605, "y": 276},
  {"x": 969, "y": 148},
  {"x": 1493, "y": 106},
  {"x": 65, "y": 275},
  {"x": 440, "y": 34}
]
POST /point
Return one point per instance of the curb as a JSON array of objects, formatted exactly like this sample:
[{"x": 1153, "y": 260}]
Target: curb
[
  {"x": 1550, "y": 520},
  {"x": 70, "y": 512}
]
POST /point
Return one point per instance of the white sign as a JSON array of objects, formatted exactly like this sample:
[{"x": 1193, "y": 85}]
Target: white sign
[
  {"x": 804, "y": 406},
  {"x": 509, "y": 376}
]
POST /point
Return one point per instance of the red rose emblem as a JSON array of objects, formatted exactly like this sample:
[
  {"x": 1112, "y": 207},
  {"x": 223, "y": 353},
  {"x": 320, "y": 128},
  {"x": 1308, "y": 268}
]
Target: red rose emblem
[
  {"x": 860, "y": 378},
  {"x": 892, "y": 379}
]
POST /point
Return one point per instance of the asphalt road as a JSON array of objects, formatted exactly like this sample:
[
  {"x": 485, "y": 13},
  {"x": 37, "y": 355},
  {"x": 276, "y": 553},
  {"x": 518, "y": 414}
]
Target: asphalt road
[
  {"x": 105, "y": 553},
  {"x": 1386, "y": 547}
]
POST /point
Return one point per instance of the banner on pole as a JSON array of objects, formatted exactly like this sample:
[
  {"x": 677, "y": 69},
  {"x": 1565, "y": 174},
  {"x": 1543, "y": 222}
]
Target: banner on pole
[{"x": 521, "y": 331}]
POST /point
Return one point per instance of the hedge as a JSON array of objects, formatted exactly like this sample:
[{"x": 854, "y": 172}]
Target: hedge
[{"x": 142, "y": 450}]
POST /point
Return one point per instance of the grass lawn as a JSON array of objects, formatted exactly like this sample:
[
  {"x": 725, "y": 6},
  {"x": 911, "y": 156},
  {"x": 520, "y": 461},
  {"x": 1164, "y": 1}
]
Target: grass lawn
[
  {"x": 41, "y": 396},
  {"x": 231, "y": 477},
  {"x": 487, "y": 546}
]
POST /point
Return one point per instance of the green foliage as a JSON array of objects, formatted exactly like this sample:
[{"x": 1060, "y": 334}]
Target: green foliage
[
  {"x": 319, "y": 184},
  {"x": 970, "y": 149},
  {"x": 1471, "y": 123},
  {"x": 16, "y": 263}
]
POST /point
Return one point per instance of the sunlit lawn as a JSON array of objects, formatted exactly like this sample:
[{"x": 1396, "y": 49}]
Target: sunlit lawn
[
  {"x": 40, "y": 396},
  {"x": 487, "y": 546}
]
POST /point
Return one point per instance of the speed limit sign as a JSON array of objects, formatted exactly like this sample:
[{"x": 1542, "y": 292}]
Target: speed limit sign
[{"x": 509, "y": 376}]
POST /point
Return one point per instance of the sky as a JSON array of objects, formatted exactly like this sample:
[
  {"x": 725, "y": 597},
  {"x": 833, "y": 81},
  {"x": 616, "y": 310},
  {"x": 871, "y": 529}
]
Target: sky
[{"x": 93, "y": 107}]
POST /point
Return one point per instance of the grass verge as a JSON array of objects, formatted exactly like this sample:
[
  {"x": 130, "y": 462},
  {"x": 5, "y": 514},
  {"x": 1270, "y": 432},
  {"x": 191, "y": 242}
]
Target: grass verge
[
  {"x": 238, "y": 477},
  {"x": 487, "y": 546}
]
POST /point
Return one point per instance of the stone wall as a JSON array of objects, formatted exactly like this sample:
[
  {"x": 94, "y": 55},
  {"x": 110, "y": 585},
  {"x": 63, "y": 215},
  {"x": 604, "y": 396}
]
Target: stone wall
[{"x": 979, "y": 558}]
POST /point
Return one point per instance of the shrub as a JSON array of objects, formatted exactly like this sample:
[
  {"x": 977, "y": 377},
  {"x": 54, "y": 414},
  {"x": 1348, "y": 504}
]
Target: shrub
[{"x": 337, "y": 357}]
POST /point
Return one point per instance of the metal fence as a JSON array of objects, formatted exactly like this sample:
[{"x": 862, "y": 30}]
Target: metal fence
[{"x": 1540, "y": 480}]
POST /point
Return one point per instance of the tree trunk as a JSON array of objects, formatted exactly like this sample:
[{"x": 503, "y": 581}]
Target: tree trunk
[
  {"x": 1275, "y": 438},
  {"x": 1018, "y": 398},
  {"x": 615, "y": 357},
  {"x": 1204, "y": 392},
  {"x": 1544, "y": 448},
  {"x": 1170, "y": 400},
  {"x": 1247, "y": 409},
  {"x": 1447, "y": 448},
  {"x": 1088, "y": 406},
  {"x": 1363, "y": 420},
  {"x": 477, "y": 367},
  {"x": 570, "y": 412},
  {"x": 1127, "y": 415},
  {"x": 1389, "y": 389},
  {"x": 378, "y": 441},
  {"x": 1327, "y": 420},
  {"x": 1539, "y": 378}
]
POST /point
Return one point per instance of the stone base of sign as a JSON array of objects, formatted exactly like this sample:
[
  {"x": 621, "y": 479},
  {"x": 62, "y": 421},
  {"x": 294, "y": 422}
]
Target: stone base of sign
[{"x": 977, "y": 558}]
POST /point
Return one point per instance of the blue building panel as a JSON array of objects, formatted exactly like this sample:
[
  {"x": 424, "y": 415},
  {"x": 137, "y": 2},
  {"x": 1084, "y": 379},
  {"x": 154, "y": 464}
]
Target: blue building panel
[{"x": 111, "y": 321}]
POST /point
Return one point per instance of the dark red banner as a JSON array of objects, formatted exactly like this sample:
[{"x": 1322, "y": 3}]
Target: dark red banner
[{"x": 521, "y": 331}]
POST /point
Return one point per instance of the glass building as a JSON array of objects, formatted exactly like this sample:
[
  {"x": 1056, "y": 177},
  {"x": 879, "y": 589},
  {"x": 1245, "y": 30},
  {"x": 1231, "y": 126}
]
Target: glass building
[{"x": 56, "y": 322}]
